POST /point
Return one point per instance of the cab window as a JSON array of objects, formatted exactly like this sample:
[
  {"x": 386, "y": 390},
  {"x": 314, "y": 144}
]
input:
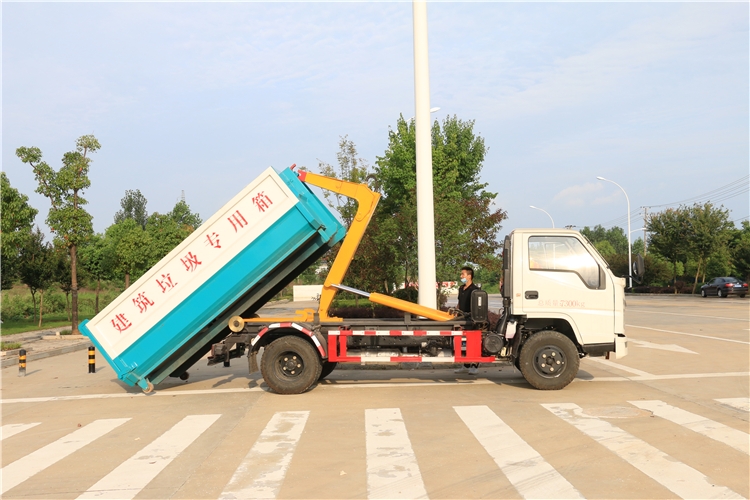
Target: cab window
[{"x": 566, "y": 254}]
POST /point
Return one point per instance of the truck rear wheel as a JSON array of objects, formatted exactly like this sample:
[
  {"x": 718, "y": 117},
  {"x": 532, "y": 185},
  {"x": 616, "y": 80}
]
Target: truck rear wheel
[
  {"x": 290, "y": 365},
  {"x": 549, "y": 360}
]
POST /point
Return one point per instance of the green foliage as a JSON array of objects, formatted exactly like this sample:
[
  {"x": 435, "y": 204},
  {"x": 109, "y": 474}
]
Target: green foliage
[
  {"x": 129, "y": 247},
  {"x": 165, "y": 232},
  {"x": 466, "y": 222},
  {"x": 605, "y": 248},
  {"x": 133, "y": 207},
  {"x": 184, "y": 218},
  {"x": 9, "y": 346},
  {"x": 615, "y": 236},
  {"x": 38, "y": 266},
  {"x": 16, "y": 223},
  {"x": 740, "y": 249},
  {"x": 351, "y": 168}
]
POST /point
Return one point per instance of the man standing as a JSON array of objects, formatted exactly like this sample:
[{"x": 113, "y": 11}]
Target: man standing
[{"x": 464, "y": 304}]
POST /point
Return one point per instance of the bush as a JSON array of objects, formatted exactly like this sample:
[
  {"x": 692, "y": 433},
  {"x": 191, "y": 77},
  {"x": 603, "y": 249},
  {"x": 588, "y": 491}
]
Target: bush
[
  {"x": 410, "y": 294},
  {"x": 16, "y": 307}
]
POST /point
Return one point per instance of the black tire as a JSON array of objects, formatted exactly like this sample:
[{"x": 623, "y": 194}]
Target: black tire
[
  {"x": 290, "y": 365},
  {"x": 535, "y": 356},
  {"x": 742, "y": 295},
  {"x": 703, "y": 294},
  {"x": 718, "y": 293},
  {"x": 328, "y": 367}
]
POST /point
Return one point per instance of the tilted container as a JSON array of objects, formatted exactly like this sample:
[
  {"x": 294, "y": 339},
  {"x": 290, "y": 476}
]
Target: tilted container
[{"x": 232, "y": 264}]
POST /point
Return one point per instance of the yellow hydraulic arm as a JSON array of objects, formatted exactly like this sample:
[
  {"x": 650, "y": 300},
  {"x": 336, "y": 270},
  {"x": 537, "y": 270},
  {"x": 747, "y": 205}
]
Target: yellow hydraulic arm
[{"x": 367, "y": 200}]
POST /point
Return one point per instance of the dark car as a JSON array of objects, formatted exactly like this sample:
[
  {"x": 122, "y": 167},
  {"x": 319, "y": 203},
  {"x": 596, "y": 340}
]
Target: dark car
[{"x": 723, "y": 287}]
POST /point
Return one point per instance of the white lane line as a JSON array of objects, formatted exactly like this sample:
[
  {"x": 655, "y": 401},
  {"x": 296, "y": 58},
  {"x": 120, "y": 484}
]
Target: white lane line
[
  {"x": 22, "y": 469},
  {"x": 677, "y": 477},
  {"x": 262, "y": 471},
  {"x": 524, "y": 467},
  {"x": 9, "y": 430},
  {"x": 689, "y": 334},
  {"x": 607, "y": 362},
  {"x": 392, "y": 469},
  {"x": 742, "y": 404},
  {"x": 689, "y": 315},
  {"x": 717, "y": 431},
  {"x": 661, "y": 347},
  {"x": 131, "y": 476}
]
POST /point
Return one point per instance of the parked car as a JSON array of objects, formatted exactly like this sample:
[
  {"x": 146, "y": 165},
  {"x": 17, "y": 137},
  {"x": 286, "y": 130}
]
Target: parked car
[{"x": 723, "y": 287}]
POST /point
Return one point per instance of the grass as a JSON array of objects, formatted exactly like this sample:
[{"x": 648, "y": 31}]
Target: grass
[
  {"x": 53, "y": 320},
  {"x": 8, "y": 346}
]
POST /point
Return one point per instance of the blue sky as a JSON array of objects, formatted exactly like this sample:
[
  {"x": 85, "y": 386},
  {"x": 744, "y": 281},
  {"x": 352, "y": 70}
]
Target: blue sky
[{"x": 202, "y": 97}]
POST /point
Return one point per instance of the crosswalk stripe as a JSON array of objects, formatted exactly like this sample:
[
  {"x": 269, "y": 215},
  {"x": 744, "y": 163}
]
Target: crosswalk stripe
[
  {"x": 524, "y": 467},
  {"x": 392, "y": 469},
  {"x": 9, "y": 430},
  {"x": 739, "y": 403},
  {"x": 263, "y": 469},
  {"x": 678, "y": 477},
  {"x": 130, "y": 477},
  {"x": 735, "y": 438},
  {"x": 22, "y": 469}
]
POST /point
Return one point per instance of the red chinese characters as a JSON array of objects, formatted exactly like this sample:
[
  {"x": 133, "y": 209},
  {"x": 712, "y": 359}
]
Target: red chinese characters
[
  {"x": 237, "y": 221},
  {"x": 142, "y": 302},
  {"x": 190, "y": 261},
  {"x": 212, "y": 240},
  {"x": 262, "y": 201},
  {"x": 121, "y": 323},
  {"x": 165, "y": 282}
]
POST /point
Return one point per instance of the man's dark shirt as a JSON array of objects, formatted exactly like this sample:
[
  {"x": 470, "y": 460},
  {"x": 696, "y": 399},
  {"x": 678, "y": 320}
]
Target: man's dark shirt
[{"x": 464, "y": 297}]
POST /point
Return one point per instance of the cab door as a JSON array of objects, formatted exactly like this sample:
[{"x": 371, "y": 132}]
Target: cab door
[{"x": 563, "y": 279}]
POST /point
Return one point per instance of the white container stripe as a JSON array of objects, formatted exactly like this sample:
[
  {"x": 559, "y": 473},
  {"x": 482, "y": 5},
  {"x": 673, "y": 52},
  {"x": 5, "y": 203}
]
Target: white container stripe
[
  {"x": 130, "y": 477},
  {"x": 677, "y": 477},
  {"x": 524, "y": 467},
  {"x": 22, "y": 469},
  {"x": 392, "y": 469},
  {"x": 262, "y": 471},
  {"x": 9, "y": 430},
  {"x": 739, "y": 403},
  {"x": 735, "y": 438}
]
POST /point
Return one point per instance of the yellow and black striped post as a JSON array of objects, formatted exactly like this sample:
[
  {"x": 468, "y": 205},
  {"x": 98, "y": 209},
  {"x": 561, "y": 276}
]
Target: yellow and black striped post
[
  {"x": 92, "y": 359},
  {"x": 22, "y": 363}
]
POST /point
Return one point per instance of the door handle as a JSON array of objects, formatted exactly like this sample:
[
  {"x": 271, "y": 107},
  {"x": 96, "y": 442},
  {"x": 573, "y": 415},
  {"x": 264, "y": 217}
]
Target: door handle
[{"x": 532, "y": 294}]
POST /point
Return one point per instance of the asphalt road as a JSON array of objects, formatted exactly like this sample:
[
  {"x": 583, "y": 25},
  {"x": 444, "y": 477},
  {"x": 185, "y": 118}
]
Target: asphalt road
[{"x": 668, "y": 421}]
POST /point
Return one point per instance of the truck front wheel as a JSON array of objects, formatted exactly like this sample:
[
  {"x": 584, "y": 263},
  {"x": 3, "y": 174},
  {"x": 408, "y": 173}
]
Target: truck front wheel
[
  {"x": 549, "y": 360},
  {"x": 290, "y": 365}
]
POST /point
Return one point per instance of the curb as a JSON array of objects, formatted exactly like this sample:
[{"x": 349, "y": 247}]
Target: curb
[{"x": 31, "y": 356}]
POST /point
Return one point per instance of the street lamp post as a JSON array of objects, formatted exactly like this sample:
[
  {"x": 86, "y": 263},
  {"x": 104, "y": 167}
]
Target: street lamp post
[
  {"x": 630, "y": 257},
  {"x": 548, "y": 215}
]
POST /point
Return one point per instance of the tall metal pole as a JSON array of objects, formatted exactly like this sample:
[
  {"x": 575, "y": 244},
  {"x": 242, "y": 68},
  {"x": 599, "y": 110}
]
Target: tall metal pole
[
  {"x": 425, "y": 197},
  {"x": 548, "y": 215},
  {"x": 630, "y": 258}
]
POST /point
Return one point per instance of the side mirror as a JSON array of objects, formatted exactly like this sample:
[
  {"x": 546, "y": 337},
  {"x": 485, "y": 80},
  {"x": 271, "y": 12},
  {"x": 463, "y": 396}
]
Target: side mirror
[{"x": 639, "y": 268}]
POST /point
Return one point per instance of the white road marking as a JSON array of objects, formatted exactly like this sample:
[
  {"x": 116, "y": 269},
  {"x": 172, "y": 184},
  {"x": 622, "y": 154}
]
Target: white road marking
[
  {"x": 688, "y": 334},
  {"x": 678, "y": 477},
  {"x": 738, "y": 403},
  {"x": 624, "y": 368},
  {"x": 689, "y": 315},
  {"x": 130, "y": 477},
  {"x": 9, "y": 430},
  {"x": 22, "y": 469},
  {"x": 717, "y": 431},
  {"x": 662, "y": 347},
  {"x": 524, "y": 467},
  {"x": 392, "y": 469},
  {"x": 377, "y": 385},
  {"x": 262, "y": 471}
]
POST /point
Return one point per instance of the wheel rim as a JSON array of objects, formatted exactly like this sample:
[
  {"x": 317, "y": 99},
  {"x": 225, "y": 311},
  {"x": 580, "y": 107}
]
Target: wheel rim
[
  {"x": 549, "y": 361},
  {"x": 290, "y": 364}
]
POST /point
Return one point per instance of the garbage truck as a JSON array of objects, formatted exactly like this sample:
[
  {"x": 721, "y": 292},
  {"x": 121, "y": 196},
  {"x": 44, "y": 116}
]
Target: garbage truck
[{"x": 560, "y": 300}]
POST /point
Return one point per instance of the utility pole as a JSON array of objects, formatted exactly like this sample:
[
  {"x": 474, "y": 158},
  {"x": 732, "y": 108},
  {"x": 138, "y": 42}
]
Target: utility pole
[{"x": 645, "y": 230}]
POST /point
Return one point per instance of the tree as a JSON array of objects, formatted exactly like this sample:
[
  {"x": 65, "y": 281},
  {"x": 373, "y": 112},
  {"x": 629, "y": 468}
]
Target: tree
[
  {"x": 350, "y": 168},
  {"x": 615, "y": 236},
  {"x": 186, "y": 219},
  {"x": 97, "y": 259},
  {"x": 167, "y": 231},
  {"x": 740, "y": 248},
  {"x": 466, "y": 221},
  {"x": 133, "y": 207},
  {"x": 16, "y": 224},
  {"x": 130, "y": 248},
  {"x": 668, "y": 235},
  {"x": 64, "y": 188},
  {"x": 708, "y": 230},
  {"x": 37, "y": 267}
]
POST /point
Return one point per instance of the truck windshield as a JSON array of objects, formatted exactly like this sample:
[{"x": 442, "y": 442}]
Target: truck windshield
[{"x": 563, "y": 253}]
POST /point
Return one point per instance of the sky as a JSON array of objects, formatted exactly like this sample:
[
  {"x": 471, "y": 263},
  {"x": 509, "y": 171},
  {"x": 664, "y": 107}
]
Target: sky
[{"x": 202, "y": 97}]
